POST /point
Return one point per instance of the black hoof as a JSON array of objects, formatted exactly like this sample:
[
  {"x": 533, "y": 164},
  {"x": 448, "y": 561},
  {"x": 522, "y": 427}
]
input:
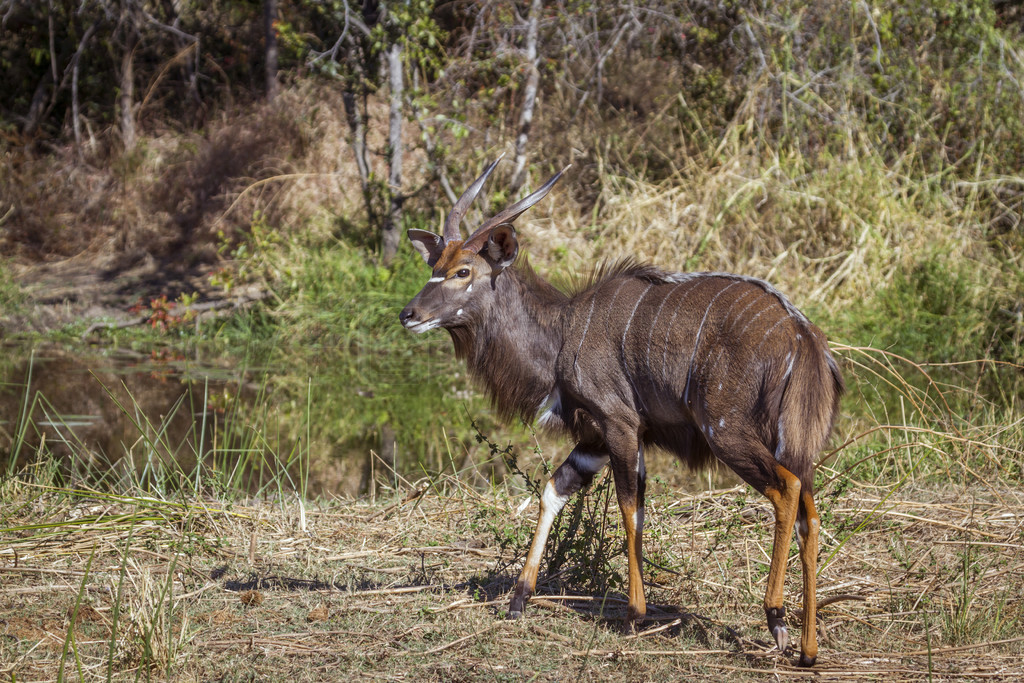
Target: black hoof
[
  {"x": 777, "y": 627},
  {"x": 807, "y": 661},
  {"x": 518, "y": 602}
]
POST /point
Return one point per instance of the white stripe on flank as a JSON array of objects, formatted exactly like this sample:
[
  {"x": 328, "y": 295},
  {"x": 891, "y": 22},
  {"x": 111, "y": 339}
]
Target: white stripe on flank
[
  {"x": 583, "y": 337},
  {"x": 739, "y": 316},
  {"x": 700, "y": 331},
  {"x": 772, "y": 329},
  {"x": 654, "y": 323},
  {"x": 763, "y": 310},
  {"x": 630, "y": 321},
  {"x": 668, "y": 329},
  {"x": 736, "y": 301},
  {"x": 622, "y": 347}
]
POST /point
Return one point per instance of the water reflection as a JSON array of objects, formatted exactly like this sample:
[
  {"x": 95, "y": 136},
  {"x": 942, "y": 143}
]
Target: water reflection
[{"x": 169, "y": 419}]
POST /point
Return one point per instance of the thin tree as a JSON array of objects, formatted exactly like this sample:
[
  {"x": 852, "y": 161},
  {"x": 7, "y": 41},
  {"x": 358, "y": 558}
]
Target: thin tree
[
  {"x": 270, "y": 38},
  {"x": 529, "y": 95}
]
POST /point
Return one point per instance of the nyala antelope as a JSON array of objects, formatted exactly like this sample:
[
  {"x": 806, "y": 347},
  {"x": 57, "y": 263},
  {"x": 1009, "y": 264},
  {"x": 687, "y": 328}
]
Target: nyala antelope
[{"x": 704, "y": 365}]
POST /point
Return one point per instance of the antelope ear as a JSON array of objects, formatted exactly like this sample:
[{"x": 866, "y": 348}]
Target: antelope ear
[
  {"x": 502, "y": 246},
  {"x": 428, "y": 244}
]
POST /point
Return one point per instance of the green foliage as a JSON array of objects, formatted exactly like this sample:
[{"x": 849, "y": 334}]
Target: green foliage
[{"x": 12, "y": 298}]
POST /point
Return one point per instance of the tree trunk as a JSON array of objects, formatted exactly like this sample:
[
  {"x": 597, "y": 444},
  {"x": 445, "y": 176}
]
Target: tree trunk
[
  {"x": 126, "y": 99},
  {"x": 390, "y": 237},
  {"x": 270, "y": 34},
  {"x": 529, "y": 96},
  {"x": 358, "y": 130}
]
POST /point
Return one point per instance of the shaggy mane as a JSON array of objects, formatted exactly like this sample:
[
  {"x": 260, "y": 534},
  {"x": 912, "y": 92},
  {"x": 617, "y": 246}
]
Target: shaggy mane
[{"x": 628, "y": 267}]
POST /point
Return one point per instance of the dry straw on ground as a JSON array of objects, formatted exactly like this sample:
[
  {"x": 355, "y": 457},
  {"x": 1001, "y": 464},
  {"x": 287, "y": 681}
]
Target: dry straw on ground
[{"x": 917, "y": 582}]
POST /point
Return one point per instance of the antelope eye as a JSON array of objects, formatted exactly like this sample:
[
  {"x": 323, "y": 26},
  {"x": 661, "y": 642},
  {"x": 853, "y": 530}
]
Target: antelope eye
[{"x": 463, "y": 272}]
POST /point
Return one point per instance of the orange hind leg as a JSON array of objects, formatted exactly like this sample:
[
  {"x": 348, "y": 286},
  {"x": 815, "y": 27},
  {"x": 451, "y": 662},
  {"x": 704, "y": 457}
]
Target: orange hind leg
[
  {"x": 807, "y": 534},
  {"x": 785, "y": 498}
]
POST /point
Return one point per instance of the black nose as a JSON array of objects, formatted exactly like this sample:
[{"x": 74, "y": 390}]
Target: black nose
[{"x": 406, "y": 315}]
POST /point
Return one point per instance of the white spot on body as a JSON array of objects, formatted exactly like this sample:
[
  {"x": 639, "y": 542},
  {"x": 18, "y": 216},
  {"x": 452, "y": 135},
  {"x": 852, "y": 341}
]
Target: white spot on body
[
  {"x": 781, "y": 445},
  {"x": 458, "y": 312},
  {"x": 721, "y": 422},
  {"x": 547, "y": 411},
  {"x": 469, "y": 289}
]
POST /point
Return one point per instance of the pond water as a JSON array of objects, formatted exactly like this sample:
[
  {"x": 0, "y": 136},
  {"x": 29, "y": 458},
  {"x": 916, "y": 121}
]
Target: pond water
[{"x": 326, "y": 424}]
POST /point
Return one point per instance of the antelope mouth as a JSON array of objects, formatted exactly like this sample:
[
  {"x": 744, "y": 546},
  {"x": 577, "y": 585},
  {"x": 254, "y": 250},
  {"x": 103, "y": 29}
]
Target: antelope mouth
[{"x": 422, "y": 326}]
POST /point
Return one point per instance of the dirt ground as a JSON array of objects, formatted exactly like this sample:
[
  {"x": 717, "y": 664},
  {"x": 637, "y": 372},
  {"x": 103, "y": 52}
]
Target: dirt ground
[{"x": 917, "y": 583}]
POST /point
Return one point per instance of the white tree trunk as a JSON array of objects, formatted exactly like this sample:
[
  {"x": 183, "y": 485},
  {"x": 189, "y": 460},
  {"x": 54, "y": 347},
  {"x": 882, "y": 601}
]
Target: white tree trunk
[{"x": 529, "y": 95}]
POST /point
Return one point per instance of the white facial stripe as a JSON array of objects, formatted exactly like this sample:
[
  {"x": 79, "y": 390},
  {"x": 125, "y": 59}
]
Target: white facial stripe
[
  {"x": 436, "y": 279},
  {"x": 421, "y": 327}
]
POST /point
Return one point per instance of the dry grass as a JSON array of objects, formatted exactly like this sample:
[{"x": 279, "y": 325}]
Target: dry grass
[{"x": 917, "y": 582}]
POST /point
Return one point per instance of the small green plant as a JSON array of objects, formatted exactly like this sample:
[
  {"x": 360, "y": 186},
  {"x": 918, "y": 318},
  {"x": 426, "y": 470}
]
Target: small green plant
[{"x": 581, "y": 545}]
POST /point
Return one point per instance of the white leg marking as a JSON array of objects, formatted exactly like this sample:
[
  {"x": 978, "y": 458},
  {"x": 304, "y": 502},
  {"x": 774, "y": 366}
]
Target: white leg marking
[
  {"x": 550, "y": 505},
  {"x": 638, "y": 519},
  {"x": 590, "y": 464},
  {"x": 801, "y": 532}
]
